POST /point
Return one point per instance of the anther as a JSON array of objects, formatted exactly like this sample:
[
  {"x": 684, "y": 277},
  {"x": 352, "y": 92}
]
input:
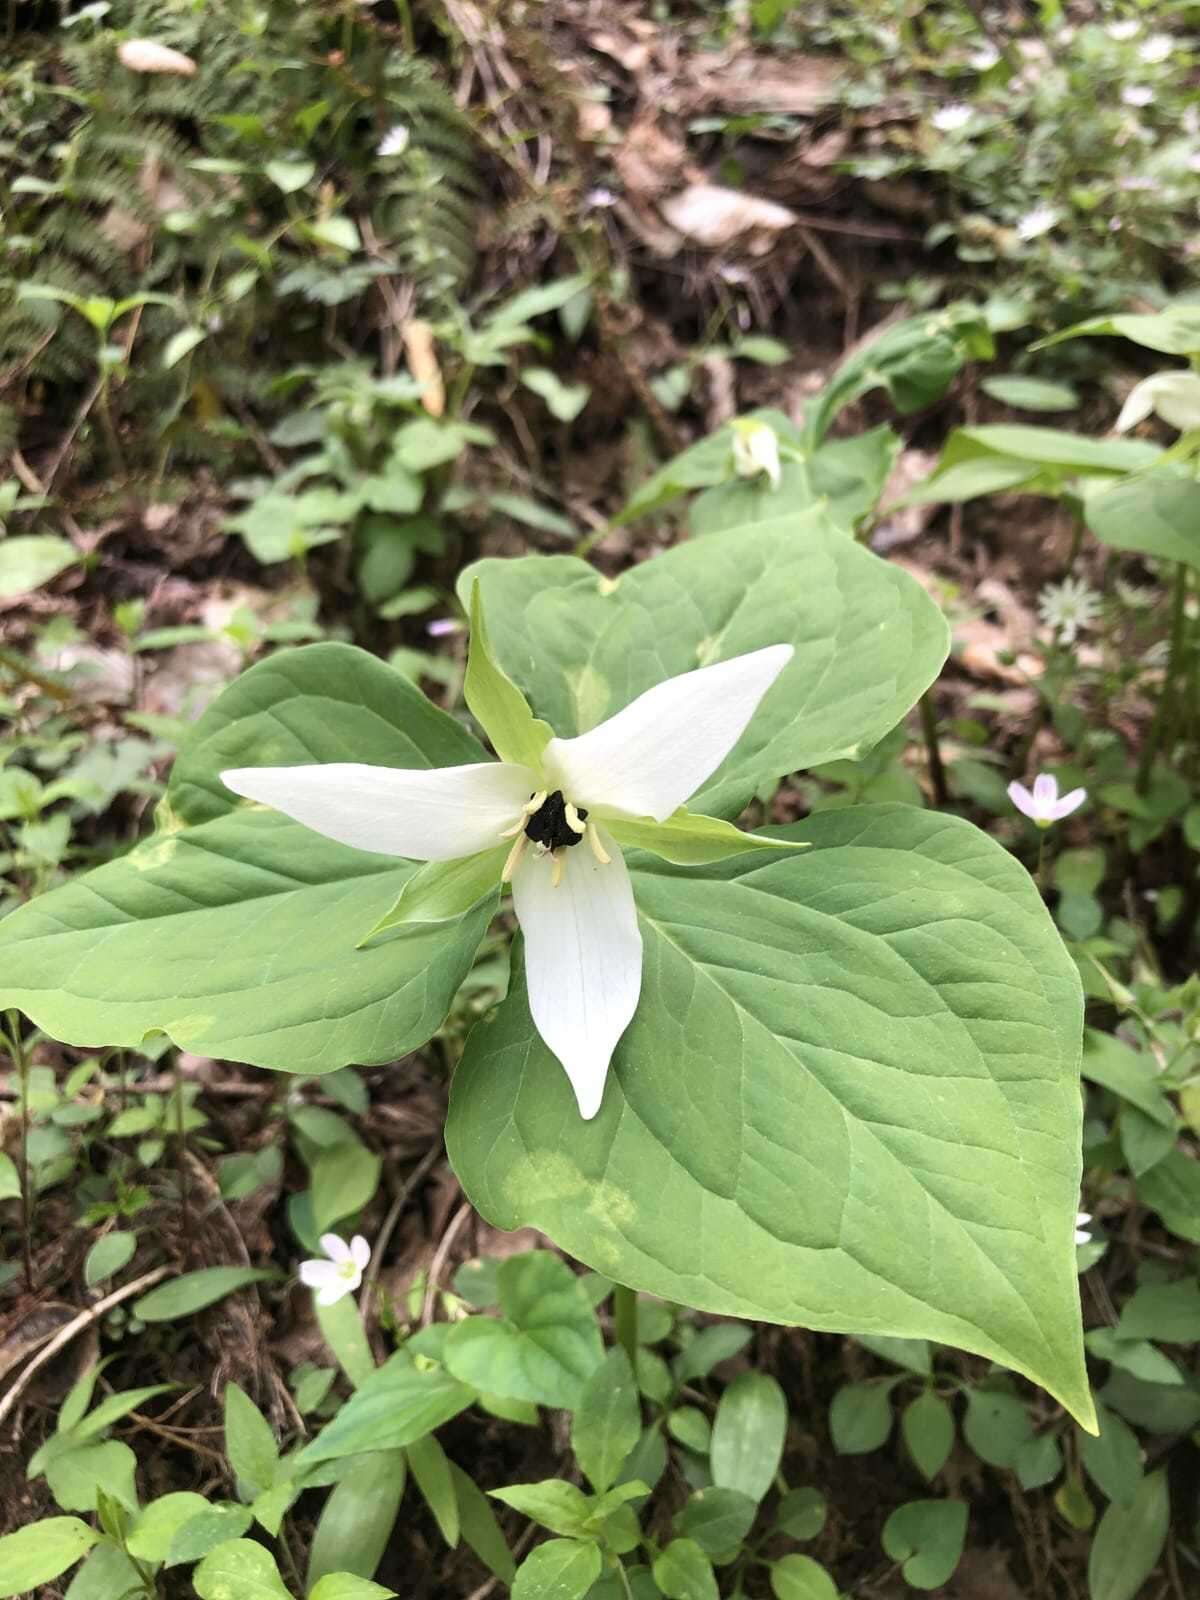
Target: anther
[
  {"x": 598, "y": 850},
  {"x": 557, "y": 870},
  {"x": 572, "y": 818},
  {"x": 513, "y": 859}
]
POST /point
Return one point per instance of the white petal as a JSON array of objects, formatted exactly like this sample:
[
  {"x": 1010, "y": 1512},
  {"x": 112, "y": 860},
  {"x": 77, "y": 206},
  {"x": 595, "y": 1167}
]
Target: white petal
[
  {"x": 361, "y": 1252},
  {"x": 317, "y": 1273},
  {"x": 335, "y": 1247},
  {"x": 653, "y": 755},
  {"x": 583, "y": 960},
  {"x": 335, "y": 1289},
  {"x": 1045, "y": 793},
  {"x": 1023, "y": 800},
  {"x": 1069, "y": 802},
  {"x": 430, "y": 814},
  {"x": 1139, "y": 403}
]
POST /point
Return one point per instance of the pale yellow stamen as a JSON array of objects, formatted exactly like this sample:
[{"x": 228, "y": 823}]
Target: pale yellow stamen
[
  {"x": 513, "y": 860},
  {"x": 556, "y": 874},
  {"x": 573, "y": 822},
  {"x": 534, "y": 803},
  {"x": 598, "y": 850}
]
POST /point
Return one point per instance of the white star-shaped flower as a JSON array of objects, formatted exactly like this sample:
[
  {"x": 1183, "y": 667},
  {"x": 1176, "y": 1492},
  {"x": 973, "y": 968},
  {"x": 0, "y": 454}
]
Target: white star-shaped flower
[
  {"x": 553, "y": 825},
  {"x": 341, "y": 1273},
  {"x": 1043, "y": 805},
  {"x": 1082, "y": 1232},
  {"x": 755, "y": 449},
  {"x": 1037, "y": 222},
  {"x": 394, "y": 141},
  {"x": 949, "y": 119},
  {"x": 1174, "y": 396}
]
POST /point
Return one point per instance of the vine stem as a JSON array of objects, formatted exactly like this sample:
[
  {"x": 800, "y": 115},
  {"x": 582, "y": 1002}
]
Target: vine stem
[
  {"x": 20, "y": 1059},
  {"x": 625, "y": 1321},
  {"x": 1166, "y": 699}
]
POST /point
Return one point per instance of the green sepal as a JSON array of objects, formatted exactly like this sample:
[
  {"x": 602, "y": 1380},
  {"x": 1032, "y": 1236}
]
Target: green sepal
[
  {"x": 442, "y": 890},
  {"x": 691, "y": 841},
  {"x": 497, "y": 704}
]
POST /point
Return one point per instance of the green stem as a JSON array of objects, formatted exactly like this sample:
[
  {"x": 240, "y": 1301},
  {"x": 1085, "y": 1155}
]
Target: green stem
[
  {"x": 1039, "y": 876},
  {"x": 625, "y": 1321},
  {"x": 937, "y": 771},
  {"x": 20, "y": 1059},
  {"x": 1163, "y": 710}
]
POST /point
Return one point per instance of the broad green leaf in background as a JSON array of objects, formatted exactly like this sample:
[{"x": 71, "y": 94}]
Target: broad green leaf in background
[
  {"x": 607, "y": 1422},
  {"x": 38, "y": 1553},
  {"x": 748, "y": 1432},
  {"x": 860, "y": 1416},
  {"x": 29, "y": 561},
  {"x": 357, "y": 1519},
  {"x": 249, "y": 1441},
  {"x": 346, "y": 1586},
  {"x": 192, "y": 1291},
  {"x": 1005, "y": 455},
  {"x": 581, "y": 646},
  {"x": 398, "y": 1404},
  {"x": 430, "y": 1468},
  {"x": 798, "y": 1577},
  {"x": 717, "y": 1519},
  {"x": 560, "y": 1569},
  {"x": 927, "y": 1537},
  {"x": 108, "y": 1255},
  {"x": 1175, "y": 331},
  {"x": 1129, "y": 1541},
  {"x": 543, "y": 1348},
  {"x": 1029, "y": 394},
  {"x": 886, "y": 1025},
  {"x": 242, "y": 1568},
  {"x": 237, "y": 935},
  {"x": 928, "y": 1428},
  {"x": 683, "y": 1572},
  {"x": 1154, "y": 513}
]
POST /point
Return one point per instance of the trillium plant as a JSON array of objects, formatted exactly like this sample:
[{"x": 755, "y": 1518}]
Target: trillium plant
[
  {"x": 820, "y": 1073},
  {"x": 551, "y": 818}
]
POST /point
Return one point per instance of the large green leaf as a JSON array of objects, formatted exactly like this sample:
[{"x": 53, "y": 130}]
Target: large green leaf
[
  {"x": 849, "y": 1099},
  {"x": 323, "y": 702},
  {"x": 1157, "y": 514},
  {"x": 237, "y": 936},
  {"x": 868, "y": 640}
]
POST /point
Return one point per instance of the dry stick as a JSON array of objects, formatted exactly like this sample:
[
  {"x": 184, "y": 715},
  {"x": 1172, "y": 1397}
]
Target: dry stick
[
  {"x": 384, "y": 1236},
  {"x": 185, "y": 1206},
  {"x": 439, "y": 1260},
  {"x": 76, "y": 1326}
]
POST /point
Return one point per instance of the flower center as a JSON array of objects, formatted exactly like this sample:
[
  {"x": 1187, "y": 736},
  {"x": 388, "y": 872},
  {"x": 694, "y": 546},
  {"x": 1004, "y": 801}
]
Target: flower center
[
  {"x": 556, "y": 823},
  {"x": 348, "y": 1269},
  {"x": 553, "y": 824}
]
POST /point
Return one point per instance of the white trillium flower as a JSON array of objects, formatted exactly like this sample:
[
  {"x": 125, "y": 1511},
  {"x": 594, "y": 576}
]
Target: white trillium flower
[
  {"x": 1043, "y": 805},
  {"x": 147, "y": 55},
  {"x": 1157, "y": 48},
  {"x": 1082, "y": 1234},
  {"x": 755, "y": 449},
  {"x": 554, "y": 830},
  {"x": 1037, "y": 222},
  {"x": 394, "y": 141},
  {"x": 1128, "y": 28},
  {"x": 341, "y": 1273},
  {"x": 1138, "y": 96},
  {"x": 1174, "y": 396},
  {"x": 949, "y": 119}
]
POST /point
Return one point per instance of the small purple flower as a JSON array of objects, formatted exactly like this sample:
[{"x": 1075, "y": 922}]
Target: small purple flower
[
  {"x": 1043, "y": 806},
  {"x": 442, "y": 627}
]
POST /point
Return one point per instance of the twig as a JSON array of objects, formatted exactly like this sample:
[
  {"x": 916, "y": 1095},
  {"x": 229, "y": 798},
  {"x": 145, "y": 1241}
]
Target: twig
[
  {"x": 439, "y": 1260},
  {"x": 20, "y": 1060},
  {"x": 76, "y": 1326},
  {"x": 383, "y": 1238}
]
